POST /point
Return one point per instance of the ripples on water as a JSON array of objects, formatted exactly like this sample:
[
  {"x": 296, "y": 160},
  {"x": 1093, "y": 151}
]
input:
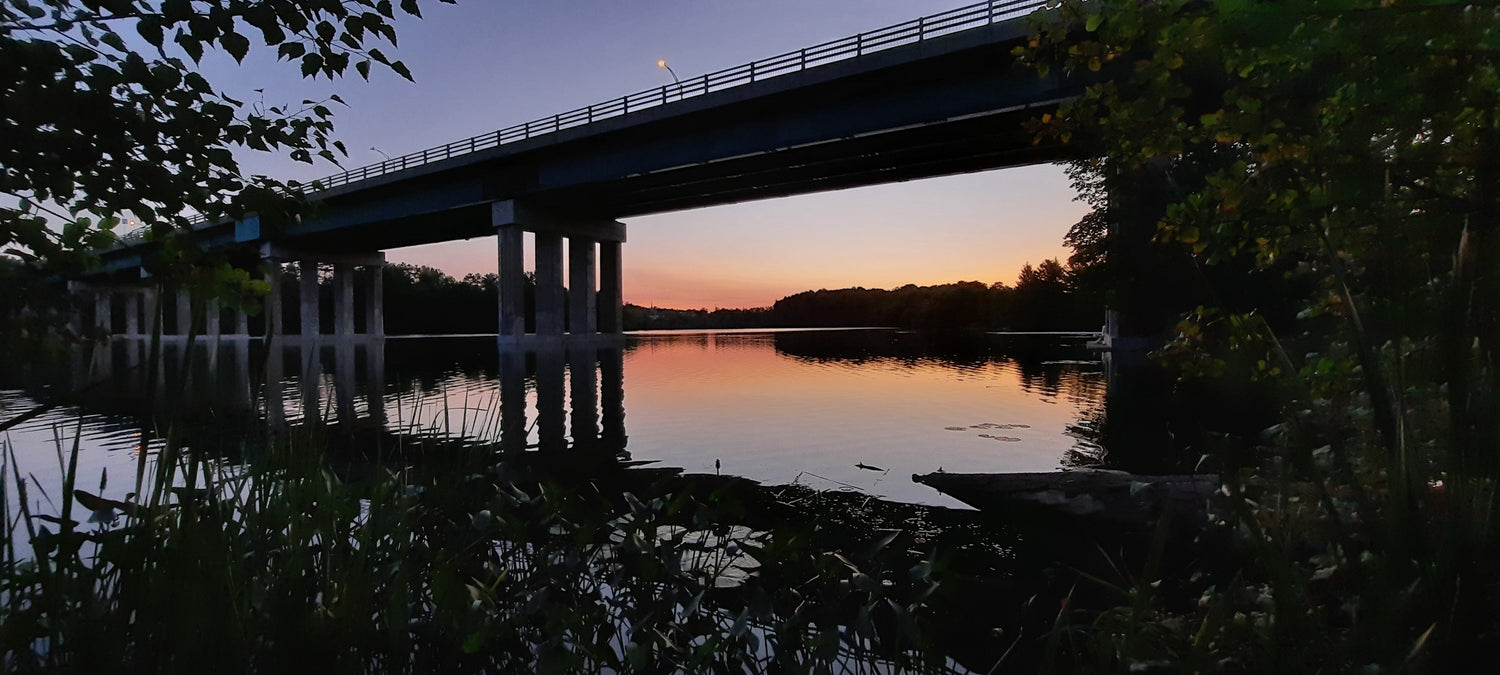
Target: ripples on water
[{"x": 859, "y": 410}]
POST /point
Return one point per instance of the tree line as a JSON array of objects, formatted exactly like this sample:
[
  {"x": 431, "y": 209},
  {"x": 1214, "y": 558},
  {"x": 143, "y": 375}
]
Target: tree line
[{"x": 426, "y": 300}]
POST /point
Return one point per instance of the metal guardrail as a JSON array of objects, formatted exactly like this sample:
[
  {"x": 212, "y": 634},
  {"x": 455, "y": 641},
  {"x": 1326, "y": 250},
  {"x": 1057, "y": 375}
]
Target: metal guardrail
[
  {"x": 901, "y": 34},
  {"x": 910, "y": 32}
]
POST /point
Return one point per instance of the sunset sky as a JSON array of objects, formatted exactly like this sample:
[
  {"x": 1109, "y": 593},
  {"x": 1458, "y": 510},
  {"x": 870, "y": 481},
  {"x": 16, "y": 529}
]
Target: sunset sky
[{"x": 488, "y": 64}]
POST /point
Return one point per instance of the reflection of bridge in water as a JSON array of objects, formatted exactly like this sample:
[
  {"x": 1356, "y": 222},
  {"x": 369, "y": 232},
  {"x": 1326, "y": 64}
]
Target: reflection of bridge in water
[{"x": 550, "y": 398}]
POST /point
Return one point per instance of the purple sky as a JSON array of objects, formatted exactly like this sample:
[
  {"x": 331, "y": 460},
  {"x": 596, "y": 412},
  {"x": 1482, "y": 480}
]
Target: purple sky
[{"x": 488, "y": 64}]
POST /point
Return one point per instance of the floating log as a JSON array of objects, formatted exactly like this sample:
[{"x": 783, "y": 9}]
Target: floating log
[{"x": 1096, "y": 495}]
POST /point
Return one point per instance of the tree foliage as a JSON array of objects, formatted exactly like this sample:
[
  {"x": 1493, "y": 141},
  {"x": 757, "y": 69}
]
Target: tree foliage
[
  {"x": 107, "y": 117},
  {"x": 1350, "y": 150}
]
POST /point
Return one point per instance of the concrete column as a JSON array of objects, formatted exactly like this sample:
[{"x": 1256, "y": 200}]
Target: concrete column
[
  {"x": 212, "y": 317},
  {"x": 150, "y": 310},
  {"x": 375, "y": 302},
  {"x": 184, "y": 313},
  {"x": 583, "y": 302},
  {"x": 343, "y": 301},
  {"x": 102, "y": 318},
  {"x": 611, "y": 288},
  {"x": 241, "y": 323},
  {"x": 512, "y": 282},
  {"x": 307, "y": 278},
  {"x": 549, "y": 284},
  {"x": 273, "y": 300},
  {"x": 132, "y": 313}
]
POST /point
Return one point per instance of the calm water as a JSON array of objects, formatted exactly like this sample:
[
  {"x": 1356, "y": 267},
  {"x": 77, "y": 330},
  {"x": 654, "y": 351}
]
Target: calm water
[{"x": 841, "y": 410}]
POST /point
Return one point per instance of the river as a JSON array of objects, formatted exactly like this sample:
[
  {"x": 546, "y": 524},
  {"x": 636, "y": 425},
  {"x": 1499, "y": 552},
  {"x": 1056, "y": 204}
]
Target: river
[{"x": 859, "y": 410}]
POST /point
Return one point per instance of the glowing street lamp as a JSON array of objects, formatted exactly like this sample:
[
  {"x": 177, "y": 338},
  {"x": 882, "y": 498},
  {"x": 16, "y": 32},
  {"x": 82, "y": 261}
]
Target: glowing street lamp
[{"x": 662, "y": 63}]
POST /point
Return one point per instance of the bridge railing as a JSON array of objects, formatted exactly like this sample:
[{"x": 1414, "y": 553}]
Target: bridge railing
[
  {"x": 909, "y": 32},
  {"x": 854, "y": 46}
]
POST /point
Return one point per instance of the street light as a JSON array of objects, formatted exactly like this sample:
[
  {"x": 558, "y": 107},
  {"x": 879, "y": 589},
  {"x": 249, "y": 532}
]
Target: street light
[
  {"x": 382, "y": 153},
  {"x": 662, "y": 63}
]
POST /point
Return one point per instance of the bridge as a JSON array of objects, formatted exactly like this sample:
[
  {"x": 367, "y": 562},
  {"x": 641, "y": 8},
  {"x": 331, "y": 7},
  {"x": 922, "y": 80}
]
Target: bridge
[{"x": 934, "y": 96}]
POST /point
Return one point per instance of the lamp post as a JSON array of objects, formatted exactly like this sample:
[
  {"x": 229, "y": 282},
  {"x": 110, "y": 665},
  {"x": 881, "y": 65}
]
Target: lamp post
[
  {"x": 382, "y": 153},
  {"x": 662, "y": 63}
]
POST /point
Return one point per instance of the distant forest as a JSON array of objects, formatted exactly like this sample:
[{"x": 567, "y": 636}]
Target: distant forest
[{"x": 425, "y": 300}]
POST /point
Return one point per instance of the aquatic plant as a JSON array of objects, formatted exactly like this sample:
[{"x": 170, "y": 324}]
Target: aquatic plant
[{"x": 485, "y": 564}]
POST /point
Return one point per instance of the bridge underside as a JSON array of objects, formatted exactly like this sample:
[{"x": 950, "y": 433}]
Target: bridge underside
[{"x": 947, "y": 105}]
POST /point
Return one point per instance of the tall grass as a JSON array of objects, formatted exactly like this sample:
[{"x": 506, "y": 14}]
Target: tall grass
[{"x": 484, "y": 565}]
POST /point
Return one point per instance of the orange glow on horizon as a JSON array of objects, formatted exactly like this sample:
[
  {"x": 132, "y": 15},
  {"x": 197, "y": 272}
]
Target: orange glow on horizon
[{"x": 972, "y": 227}]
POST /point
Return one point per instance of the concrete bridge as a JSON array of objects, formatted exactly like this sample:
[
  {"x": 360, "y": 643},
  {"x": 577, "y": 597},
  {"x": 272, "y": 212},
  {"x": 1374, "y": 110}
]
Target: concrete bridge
[{"x": 934, "y": 96}]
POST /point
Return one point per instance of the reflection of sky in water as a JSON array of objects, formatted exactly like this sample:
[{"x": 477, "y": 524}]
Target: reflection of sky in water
[
  {"x": 776, "y": 417},
  {"x": 776, "y": 407}
]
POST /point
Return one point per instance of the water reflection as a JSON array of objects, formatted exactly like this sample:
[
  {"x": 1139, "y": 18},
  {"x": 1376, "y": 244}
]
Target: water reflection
[{"x": 841, "y": 410}]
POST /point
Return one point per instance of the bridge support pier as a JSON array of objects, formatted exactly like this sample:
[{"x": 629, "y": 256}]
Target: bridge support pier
[
  {"x": 549, "y": 284},
  {"x": 350, "y": 271},
  {"x": 137, "y": 306},
  {"x": 307, "y": 299},
  {"x": 592, "y": 298},
  {"x": 133, "y": 313},
  {"x": 184, "y": 313},
  {"x": 272, "y": 276}
]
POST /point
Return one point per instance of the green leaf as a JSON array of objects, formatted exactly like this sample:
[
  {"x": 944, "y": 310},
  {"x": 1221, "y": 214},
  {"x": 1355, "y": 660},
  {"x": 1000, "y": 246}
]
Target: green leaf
[
  {"x": 401, "y": 70},
  {"x": 191, "y": 45},
  {"x": 364, "y": 68},
  {"x": 1092, "y": 23},
  {"x": 112, "y": 39},
  {"x": 311, "y": 65},
  {"x": 237, "y": 45},
  {"x": 410, "y": 7},
  {"x": 290, "y": 50},
  {"x": 150, "y": 29}
]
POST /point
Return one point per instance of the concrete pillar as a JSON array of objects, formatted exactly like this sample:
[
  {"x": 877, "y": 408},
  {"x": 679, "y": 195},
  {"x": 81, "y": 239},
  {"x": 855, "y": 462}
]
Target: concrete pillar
[
  {"x": 343, "y": 301},
  {"x": 512, "y": 274},
  {"x": 184, "y": 313},
  {"x": 375, "y": 301},
  {"x": 241, "y": 323},
  {"x": 150, "y": 311},
  {"x": 102, "y": 318},
  {"x": 273, "y": 300},
  {"x": 132, "y": 313},
  {"x": 583, "y": 302},
  {"x": 307, "y": 278},
  {"x": 611, "y": 288},
  {"x": 549, "y": 284},
  {"x": 212, "y": 317}
]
